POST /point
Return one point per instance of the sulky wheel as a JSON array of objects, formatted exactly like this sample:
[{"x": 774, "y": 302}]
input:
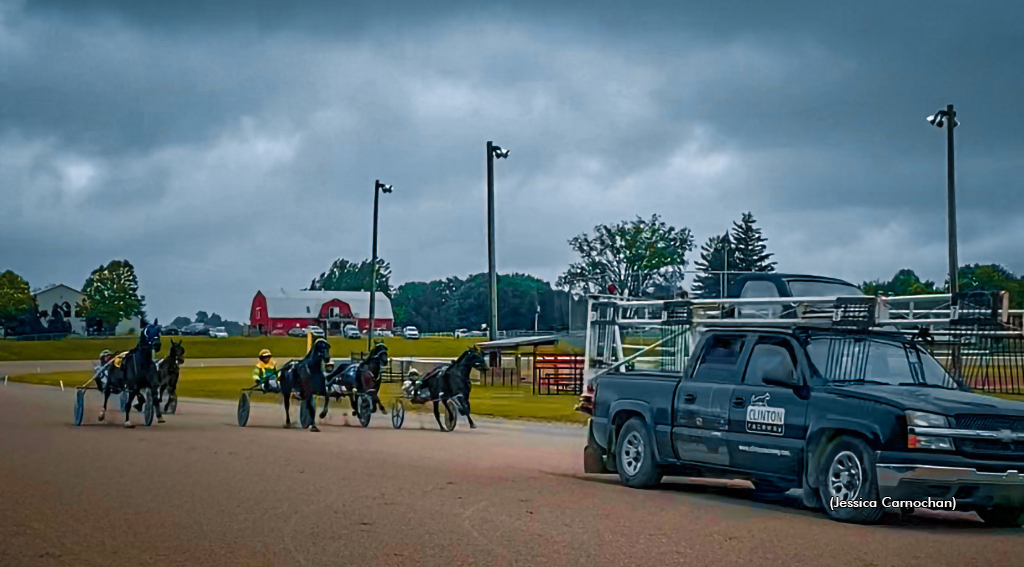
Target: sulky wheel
[
  {"x": 243, "y": 409},
  {"x": 124, "y": 400},
  {"x": 451, "y": 414},
  {"x": 79, "y": 406},
  {"x": 305, "y": 419},
  {"x": 364, "y": 407},
  {"x": 397, "y": 413},
  {"x": 148, "y": 411}
]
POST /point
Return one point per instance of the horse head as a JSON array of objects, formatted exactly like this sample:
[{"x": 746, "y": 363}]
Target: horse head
[
  {"x": 379, "y": 352},
  {"x": 475, "y": 359},
  {"x": 321, "y": 351},
  {"x": 177, "y": 352},
  {"x": 150, "y": 337}
]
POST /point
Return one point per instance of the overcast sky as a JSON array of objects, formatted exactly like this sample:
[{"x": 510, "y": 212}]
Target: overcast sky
[{"x": 228, "y": 146}]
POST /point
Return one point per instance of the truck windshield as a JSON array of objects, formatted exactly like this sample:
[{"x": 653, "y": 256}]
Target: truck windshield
[
  {"x": 805, "y": 288},
  {"x": 843, "y": 359}
]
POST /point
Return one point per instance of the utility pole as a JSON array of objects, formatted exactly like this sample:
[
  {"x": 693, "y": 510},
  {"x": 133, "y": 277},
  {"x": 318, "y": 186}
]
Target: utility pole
[
  {"x": 492, "y": 281},
  {"x": 377, "y": 186},
  {"x": 947, "y": 118},
  {"x": 492, "y": 325},
  {"x": 954, "y": 284}
]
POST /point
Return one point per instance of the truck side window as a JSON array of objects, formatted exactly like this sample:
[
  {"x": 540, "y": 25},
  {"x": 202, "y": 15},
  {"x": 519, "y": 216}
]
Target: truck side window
[
  {"x": 720, "y": 359},
  {"x": 759, "y": 289},
  {"x": 770, "y": 354}
]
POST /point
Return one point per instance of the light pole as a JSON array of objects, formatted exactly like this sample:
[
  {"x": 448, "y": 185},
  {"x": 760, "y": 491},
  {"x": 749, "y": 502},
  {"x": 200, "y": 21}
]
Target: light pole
[
  {"x": 492, "y": 325},
  {"x": 377, "y": 188},
  {"x": 947, "y": 118}
]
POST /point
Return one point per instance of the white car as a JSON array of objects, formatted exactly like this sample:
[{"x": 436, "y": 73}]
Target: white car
[
  {"x": 411, "y": 333},
  {"x": 351, "y": 332},
  {"x": 218, "y": 333}
]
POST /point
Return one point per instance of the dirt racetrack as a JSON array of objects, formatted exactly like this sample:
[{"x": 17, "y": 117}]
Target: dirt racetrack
[{"x": 199, "y": 490}]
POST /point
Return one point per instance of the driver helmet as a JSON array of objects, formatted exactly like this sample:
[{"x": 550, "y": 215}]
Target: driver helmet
[
  {"x": 104, "y": 352},
  {"x": 265, "y": 353}
]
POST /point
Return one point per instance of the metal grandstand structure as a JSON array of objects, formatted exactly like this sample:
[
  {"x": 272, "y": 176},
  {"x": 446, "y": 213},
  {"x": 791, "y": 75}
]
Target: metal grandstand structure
[{"x": 969, "y": 333}]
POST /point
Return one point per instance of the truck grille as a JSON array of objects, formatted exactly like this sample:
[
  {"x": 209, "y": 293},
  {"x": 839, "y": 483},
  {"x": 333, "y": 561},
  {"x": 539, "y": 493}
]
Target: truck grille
[
  {"x": 990, "y": 422},
  {"x": 992, "y": 448}
]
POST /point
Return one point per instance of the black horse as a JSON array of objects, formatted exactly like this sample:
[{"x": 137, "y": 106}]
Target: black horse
[
  {"x": 307, "y": 377},
  {"x": 451, "y": 381},
  {"x": 359, "y": 377},
  {"x": 136, "y": 372},
  {"x": 168, "y": 371}
]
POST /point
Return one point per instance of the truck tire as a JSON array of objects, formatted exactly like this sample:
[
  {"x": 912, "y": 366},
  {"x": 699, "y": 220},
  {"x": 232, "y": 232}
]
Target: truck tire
[
  {"x": 1003, "y": 516},
  {"x": 635, "y": 456},
  {"x": 848, "y": 474}
]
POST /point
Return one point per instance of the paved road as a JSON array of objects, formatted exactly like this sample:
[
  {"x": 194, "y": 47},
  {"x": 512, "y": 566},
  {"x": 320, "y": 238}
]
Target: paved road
[{"x": 201, "y": 490}]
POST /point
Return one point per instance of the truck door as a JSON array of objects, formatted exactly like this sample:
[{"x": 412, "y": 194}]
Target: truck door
[
  {"x": 768, "y": 423},
  {"x": 702, "y": 400}
]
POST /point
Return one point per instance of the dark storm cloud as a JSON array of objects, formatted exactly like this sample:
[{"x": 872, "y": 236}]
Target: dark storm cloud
[{"x": 227, "y": 146}]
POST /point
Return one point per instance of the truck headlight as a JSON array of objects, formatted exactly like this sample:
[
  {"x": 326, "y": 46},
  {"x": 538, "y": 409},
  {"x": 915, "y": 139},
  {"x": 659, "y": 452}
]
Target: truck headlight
[{"x": 924, "y": 419}]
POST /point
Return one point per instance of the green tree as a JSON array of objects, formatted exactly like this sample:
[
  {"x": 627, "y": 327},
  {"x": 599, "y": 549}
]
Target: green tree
[
  {"x": 991, "y": 277},
  {"x": 202, "y": 317},
  {"x": 180, "y": 322},
  {"x": 713, "y": 255},
  {"x": 751, "y": 247},
  {"x": 905, "y": 282},
  {"x": 634, "y": 256},
  {"x": 111, "y": 295},
  {"x": 16, "y": 299},
  {"x": 344, "y": 275}
]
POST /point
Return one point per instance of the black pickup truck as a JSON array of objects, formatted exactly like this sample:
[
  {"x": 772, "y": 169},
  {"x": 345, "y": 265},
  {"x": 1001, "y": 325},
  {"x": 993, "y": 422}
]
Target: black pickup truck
[{"x": 861, "y": 423}]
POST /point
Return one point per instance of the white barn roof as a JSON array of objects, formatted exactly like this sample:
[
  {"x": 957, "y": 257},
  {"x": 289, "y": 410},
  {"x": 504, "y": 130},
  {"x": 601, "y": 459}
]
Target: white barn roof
[{"x": 283, "y": 304}]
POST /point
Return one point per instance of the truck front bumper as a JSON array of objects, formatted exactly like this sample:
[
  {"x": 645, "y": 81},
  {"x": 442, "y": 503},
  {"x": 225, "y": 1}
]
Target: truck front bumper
[{"x": 971, "y": 488}]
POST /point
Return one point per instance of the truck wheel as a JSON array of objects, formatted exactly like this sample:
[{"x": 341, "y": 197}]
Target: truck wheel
[
  {"x": 1003, "y": 517},
  {"x": 848, "y": 475},
  {"x": 635, "y": 456}
]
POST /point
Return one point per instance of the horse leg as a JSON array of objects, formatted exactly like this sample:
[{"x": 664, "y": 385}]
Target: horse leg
[
  {"x": 327, "y": 400},
  {"x": 437, "y": 416},
  {"x": 311, "y": 406},
  {"x": 106, "y": 396},
  {"x": 128, "y": 409},
  {"x": 287, "y": 410},
  {"x": 469, "y": 417},
  {"x": 155, "y": 393}
]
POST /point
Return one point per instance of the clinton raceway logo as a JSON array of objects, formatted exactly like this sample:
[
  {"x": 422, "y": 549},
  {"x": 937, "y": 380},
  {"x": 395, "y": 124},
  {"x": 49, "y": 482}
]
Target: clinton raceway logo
[{"x": 762, "y": 418}]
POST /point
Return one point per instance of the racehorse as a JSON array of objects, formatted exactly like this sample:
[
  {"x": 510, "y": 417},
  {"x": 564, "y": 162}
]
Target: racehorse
[
  {"x": 137, "y": 371},
  {"x": 359, "y": 377},
  {"x": 307, "y": 377},
  {"x": 168, "y": 371},
  {"x": 452, "y": 382}
]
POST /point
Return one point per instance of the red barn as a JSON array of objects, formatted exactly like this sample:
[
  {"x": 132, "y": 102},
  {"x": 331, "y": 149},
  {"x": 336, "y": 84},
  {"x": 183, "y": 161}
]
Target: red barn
[{"x": 280, "y": 311}]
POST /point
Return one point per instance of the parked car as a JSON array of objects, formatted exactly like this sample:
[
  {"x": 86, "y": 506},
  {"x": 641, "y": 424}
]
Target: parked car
[
  {"x": 411, "y": 333},
  {"x": 351, "y": 332},
  {"x": 195, "y": 329},
  {"x": 302, "y": 331},
  {"x": 218, "y": 333},
  {"x": 297, "y": 332},
  {"x": 459, "y": 333},
  {"x": 771, "y": 285},
  {"x": 860, "y": 422},
  {"x": 170, "y": 331}
]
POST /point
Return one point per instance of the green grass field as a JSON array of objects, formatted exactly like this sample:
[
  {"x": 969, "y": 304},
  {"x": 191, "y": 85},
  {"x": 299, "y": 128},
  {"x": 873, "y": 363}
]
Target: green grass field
[
  {"x": 231, "y": 347},
  {"x": 226, "y": 383}
]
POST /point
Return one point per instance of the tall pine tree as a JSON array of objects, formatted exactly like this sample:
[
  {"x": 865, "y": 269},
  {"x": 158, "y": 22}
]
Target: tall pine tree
[
  {"x": 751, "y": 247},
  {"x": 713, "y": 256}
]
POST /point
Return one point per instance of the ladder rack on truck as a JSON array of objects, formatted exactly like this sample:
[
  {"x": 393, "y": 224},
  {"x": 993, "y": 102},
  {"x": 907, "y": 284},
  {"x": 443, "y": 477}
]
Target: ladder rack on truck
[{"x": 627, "y": 334}]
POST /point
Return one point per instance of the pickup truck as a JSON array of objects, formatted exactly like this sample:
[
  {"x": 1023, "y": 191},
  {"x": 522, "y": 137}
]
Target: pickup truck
[{"x": 860, "y": 423}]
